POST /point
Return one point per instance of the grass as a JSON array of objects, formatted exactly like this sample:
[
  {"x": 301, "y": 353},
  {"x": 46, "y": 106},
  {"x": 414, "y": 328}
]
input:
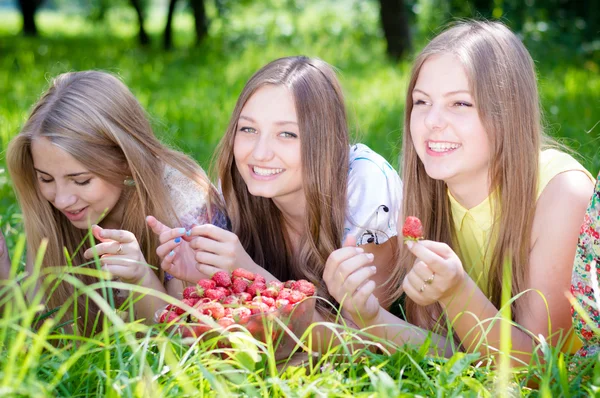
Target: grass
[{"x": 189, "y": 93}]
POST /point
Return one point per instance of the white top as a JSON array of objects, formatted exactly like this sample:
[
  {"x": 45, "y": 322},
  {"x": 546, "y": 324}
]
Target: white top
[{"x": 374, "y": 197}]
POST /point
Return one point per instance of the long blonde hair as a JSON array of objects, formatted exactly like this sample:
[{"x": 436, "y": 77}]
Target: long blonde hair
[
  {"x": 502, "y": 79},
  {"x": 324, "y": 144},
  {"x": 94, "y": 117}
]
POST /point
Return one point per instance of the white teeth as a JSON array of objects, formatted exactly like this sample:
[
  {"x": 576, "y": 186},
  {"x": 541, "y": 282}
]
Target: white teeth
[
  {"x": 442, "y": 146},
  {"x": 265, "y": 172},
  {"x": 76, "y": 212}
]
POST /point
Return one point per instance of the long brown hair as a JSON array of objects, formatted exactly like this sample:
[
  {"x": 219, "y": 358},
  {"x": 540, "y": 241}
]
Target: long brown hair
[
  {"x": 502, "y": 79},
  {"x": 324, "y": 144},
  {"x": 96, "y": 119}
]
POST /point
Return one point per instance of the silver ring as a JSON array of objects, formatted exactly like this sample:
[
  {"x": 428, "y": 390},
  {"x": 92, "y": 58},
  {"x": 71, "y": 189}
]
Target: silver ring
[
  {"x": 422, "y": 289},
  {"x": 429, "y": 280},
  {"x": 120, "y": 251}
]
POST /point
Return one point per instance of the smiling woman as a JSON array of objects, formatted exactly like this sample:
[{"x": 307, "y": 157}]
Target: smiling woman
[{"x": 87, "y": 158}]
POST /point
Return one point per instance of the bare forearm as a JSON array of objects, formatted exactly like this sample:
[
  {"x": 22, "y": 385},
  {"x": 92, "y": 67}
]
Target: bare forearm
[
  {"x": 478, "y": 323},
  {"x": 146, "y": 307}
]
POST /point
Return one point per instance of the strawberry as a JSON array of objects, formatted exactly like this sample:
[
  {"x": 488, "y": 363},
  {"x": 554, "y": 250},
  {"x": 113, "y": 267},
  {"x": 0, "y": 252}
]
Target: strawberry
[
  {"x": 412, "y": 229},
  {"x": 276, "y": 285},
  {"x": 284, "y": 294},
  {"x": 270, "y": 292},
  {"x": 195, "y": 292},
  {"x": 190, "y": 302},
  {"x": 216, "y": 310},
  {"x": 225, "y": 322},
  {"x": 296, "y": 297},
  {"x": 168, "y": 316},
  {"x": 263, "y": 299},
  {"x": 207, "y": 284},
  {"x": 215, "y": 294},
  {"x": 256, "y": 288},
  {"x": 222, "y": 278},
  {"x": 241, "y": 314},
  {"x": 258, "y": 307},
  {"x": 224, "y": 290},
  {"x": 288, "y": 284},
  {"x": 244, "y": 297},
  {"x": 243, "y": 273},
  {"x": 239, "y": 284},
  {"x": 259, "y": 278},
  {"x": 279, "y": 303},
  {"x": 304, "y": 286}
]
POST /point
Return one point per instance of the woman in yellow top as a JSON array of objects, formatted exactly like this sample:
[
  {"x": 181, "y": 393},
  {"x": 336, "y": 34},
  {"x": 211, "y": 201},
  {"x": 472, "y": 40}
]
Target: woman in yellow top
[{"x": 476, "y": 173}]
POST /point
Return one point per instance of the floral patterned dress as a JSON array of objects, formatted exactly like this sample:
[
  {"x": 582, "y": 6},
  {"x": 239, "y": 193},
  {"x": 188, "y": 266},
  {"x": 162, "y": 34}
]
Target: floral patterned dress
[{"x": 586, "y": 276}]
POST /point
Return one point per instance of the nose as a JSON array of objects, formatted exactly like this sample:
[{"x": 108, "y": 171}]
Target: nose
[
  {"x": 435, "y": 118},
  {"x": 262, "y": 149},
  {"x": 64, "y": 198}
]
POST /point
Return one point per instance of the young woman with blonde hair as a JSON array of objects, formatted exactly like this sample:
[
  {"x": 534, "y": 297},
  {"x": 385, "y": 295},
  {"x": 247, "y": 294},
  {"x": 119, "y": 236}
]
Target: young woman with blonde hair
[
  {"x": 87, "y": 155},
  {"x": 490, "y": 194},
  {"x": 293, "y": 186}
]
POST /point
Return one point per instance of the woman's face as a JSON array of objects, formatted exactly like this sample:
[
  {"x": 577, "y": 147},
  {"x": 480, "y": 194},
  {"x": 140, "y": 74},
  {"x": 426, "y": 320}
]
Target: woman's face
[
  {"x": 267, "y": 145},
  {"x": 83, "y": 197},
  {"x": 445, "y": 126}
]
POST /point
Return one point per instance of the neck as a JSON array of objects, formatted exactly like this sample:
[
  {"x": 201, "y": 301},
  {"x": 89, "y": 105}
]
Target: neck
[
  {"x": 470, "y": 192},
  {"x": 293, "y": 210},
  {"x": 114, "y": 219}
]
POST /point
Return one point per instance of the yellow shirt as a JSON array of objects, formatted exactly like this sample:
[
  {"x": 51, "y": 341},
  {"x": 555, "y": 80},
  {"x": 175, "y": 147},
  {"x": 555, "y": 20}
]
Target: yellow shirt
[{"x": 473, "y": 227}]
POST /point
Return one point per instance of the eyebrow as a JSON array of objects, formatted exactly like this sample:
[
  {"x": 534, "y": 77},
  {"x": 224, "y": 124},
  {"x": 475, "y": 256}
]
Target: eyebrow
[
  {"x": 446, "y": 94},
  {"x": 279, "y": 123},
  {"x": 67, "y": 175}
]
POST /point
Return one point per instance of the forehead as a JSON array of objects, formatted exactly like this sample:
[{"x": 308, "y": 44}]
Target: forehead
[
  {"x": 271, "y": 103},
  {"x": 53, "y": 159},
  {"x": 442, "y": 73}
]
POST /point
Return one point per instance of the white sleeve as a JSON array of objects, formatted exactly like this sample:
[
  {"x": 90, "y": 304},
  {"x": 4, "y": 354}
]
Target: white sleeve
[{"x": 374, "y": 197}]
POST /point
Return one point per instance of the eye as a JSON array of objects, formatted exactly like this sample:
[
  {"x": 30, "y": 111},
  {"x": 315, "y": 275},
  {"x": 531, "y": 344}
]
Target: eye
[
  {"x": 248, "y": 130},
  {"x": 82, "y": 183},
  {"x": 287, "y": 134},
  {"x": 462, "y": 103},
  {"x": 44, "y": 180},
  {"x": 418, "y": 102}
]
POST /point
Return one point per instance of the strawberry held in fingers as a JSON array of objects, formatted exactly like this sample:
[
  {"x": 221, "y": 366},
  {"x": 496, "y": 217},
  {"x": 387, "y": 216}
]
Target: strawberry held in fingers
[{"x": 412, "y": 229}]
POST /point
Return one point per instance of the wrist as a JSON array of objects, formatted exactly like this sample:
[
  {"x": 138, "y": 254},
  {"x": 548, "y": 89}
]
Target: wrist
[
  {"x": 364, "y": 320},
  {"x": 464, "y": 286}
]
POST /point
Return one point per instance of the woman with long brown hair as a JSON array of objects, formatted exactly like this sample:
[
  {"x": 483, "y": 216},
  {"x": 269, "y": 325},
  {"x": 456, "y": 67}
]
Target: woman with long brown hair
[
  {"x": 86, "y": 157},
  {"x": 493, "y": 197},
  {"x": 293, "y": 186}
]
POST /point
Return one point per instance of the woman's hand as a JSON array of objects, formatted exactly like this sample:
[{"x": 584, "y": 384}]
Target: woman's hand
[
  {"x": 347, "y": 274},
  {"x": 120, "y": 254},
  {"x": 175, "y": 252},
  {"x": 217, "y": 249},
  {"x": 436, "y": 275}
]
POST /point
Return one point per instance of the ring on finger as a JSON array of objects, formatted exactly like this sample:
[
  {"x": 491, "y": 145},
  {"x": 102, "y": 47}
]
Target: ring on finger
[
  {"x": 120, "y": 250},
  {"x": 429, "y": 280},
  {"x": 422, "y": 289}
]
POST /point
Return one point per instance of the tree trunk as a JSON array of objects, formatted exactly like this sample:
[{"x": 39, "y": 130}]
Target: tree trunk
[
  {"x": 395, "y": 27},
  {"x": 143, "y": 36},
  {"x": 28, "y": 9},
  {"x": 168, "y": 36},
  {"x": 200, "y": 20}
]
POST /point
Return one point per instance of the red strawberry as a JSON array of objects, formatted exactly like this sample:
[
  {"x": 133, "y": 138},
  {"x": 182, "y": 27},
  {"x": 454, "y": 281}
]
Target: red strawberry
[
  {"x": 231, "y": 301},
  {"x": 276, "y": 285},
  {"x": 239, "y": 284},
  {"x": 180, "y": 310},
  {"x": 288, "y": 284},
  {"x": 244, "y": 297},
  {"x": 258, "y": 307},
  {"x": 241, "y": 314},
  {"x": 207, "y": 284},
  {"x": 216, "y": 310},
  {"x": 243, "y": 273},
  {"x": 304, "y": 286},
  {"x": 225, "y": 322},
  {"x": 168, "y": 316},
  {"x": 224, "y": 290},
  {"x": 281, "y": 303},
  {"x": 215, "y": 294},
  {"x": 222, "y": 278},
  {"x": 270, "y": 292},
  {"x": 193, "y": 292},
  {"x": 284, "y": 294},
  {"x": 256, "y": 288},
  {"x": 259, "y": 278},
  {"x": 412, "y": 229},
  {"x": 296, "y": 297},
  {"x": 263, "y": 299}
]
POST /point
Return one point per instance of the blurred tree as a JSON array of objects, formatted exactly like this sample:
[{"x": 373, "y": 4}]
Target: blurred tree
[
  {"x": 28, "y": 9},
  {"x": 394, "y": 22},
  {"x": 142, "y": 35},
  {"x": 200, "y": 22}
]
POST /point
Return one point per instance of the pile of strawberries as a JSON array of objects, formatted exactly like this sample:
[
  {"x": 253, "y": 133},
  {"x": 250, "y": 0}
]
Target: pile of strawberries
[{"x": 236, "y": 298}]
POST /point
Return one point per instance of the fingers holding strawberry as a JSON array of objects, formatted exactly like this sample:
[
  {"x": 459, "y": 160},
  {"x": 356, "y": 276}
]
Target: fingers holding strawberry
[{"x": 437, "y": 274}]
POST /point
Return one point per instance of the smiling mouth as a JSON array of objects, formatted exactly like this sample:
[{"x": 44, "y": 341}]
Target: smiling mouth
[
  {"x": 261, "y": 171},
  {"x": 76, "y": 212},
  {"x": 442, "y": 146}
]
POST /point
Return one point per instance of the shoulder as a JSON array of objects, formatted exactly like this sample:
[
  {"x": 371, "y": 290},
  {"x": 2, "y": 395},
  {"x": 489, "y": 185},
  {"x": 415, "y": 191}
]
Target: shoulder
[
  {"x": 374, "y": 196},
  {"x": 554, "y": 163}
]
